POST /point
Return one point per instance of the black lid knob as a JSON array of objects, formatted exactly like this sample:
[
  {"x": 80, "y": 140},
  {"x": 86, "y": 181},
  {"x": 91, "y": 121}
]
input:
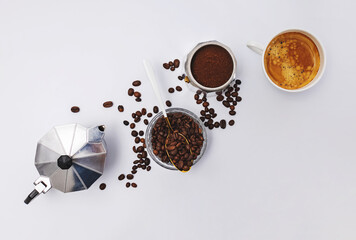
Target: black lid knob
[{"x": 64, "y": 162}]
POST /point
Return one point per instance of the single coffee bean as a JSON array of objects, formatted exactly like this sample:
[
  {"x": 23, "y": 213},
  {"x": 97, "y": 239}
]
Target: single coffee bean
[
  {"x": 121, "y": 177},
  {"x": 238, "y": 99},
  {"x": 134, "y": 171},
  {"x": 171, "y": 90},
  {"x": 134, "y": 149},
  {"x": 216, "y": 124},
  {"x": 75, "y": 109},
  {"x": 166, "y": 65},
  {"x": 172, "y": 68},
  {"x": 211, "y": 126},
  {"x": 147, "y": 161},
  {"x": 149, "y": 114},
  {"x": 211, "y": 111},
  {"x": 120, "y": 108},
  {"x": 137, "y": 140},
  {"x": 220, "y": 98},
  {"x": 205, "y": 104},
  {"x": 207, "y": 116},
  {"x": 231, "y": 122},
  {"x": 223, "y": 124},
  {"x": 170, "y": 63},
  {"x": 141, "y": 133},
  {"x": 128, "y": 184},
  {"x": 227, "y": 94},
  {"x": 179, "y": 88},
  {"x": 202, "y": 119},
  {"x": 130, "y": 92},
  {"x": 214, "y": 115},
  {"x": 133, "y": 115},
  {"x": 132, "y": 125},
  {"x": 102, "y": 186},
  {"x": 138, "y": 99},
  {"x": 137, "y": 94},
  {"x": 199, "y": 101},
  {"x": 180, "y": 77},
  {"x": 140, "y": 149},
  {"x": 196, "y": 96},
  {"x": 134, "y": 185},
  {"x": 232, "y": 113},
  {"x": 108, "y": 104},
  {"x": 176, "y": 63},
  {"x": 210, "y": 121},
  {"x": 126, "y": 123},
  {"x": 155, "y": 109},
  {"x": 238, "y": 81},
  {"x": 230, "y": 89},
  {"x": 226, "y": 103},
  {"x": 234, "y": 94},
  {"x": 168, "y": 103},
  {"x": 148, "y": 168},
  {"x": 232, "y": 107},
  {"x": 145, "y": 122},
  {"x": 206, "y": 124},
  {"x": 137, "y": 119},
  {"x": 138, "y": 114},
  {"x": 229, "y": 99},
  {"x": 143, "y": 111},
  {"x": 219, "y": 93},
  {"x": 129, "y": 176},
  {"x": 134, "y": 133},
  {"x": 136, "y": 83},
  {"x": 234, "y": 103},
  {"x": 135, "y": 162},
  {"x": 142, "y": 140}
]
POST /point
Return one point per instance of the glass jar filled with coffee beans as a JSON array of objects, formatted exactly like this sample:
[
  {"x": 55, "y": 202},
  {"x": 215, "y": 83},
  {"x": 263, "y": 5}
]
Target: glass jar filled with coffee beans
[{"x": 186, "y": 123}]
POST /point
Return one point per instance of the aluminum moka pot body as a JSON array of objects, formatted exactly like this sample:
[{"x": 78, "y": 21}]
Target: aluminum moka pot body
[{"x": 69, "y": 158}]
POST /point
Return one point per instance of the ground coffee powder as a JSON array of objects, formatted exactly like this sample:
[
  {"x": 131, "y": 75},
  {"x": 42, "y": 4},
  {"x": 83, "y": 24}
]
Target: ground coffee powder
[{"x": 212, "y": 66}]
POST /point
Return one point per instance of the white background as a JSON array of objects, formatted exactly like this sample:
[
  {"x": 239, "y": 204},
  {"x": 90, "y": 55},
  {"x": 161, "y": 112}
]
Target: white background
[{"x": 286, "y": 170}]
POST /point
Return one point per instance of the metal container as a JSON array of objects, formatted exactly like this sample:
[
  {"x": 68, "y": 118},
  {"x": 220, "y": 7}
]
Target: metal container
[
  {"x": 188, "y": 63},
  {"x": 69, "y": 158},
  {"x": 152, "y": 123}
]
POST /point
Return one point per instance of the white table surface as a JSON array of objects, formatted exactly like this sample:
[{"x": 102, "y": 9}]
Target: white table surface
[{"x": 286, "y": 170}]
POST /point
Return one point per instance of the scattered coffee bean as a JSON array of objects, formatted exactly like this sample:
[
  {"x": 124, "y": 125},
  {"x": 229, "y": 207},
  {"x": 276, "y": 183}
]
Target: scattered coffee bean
[
  {"x": 205, "y": 104},
  {"x": 166, "y": 65},
  {"x": 141, "y": 133},
  {"x": 176, "y": 63},
  {"x": 137, "y": 140},
  {"x": 155, "y": 109},
  {"x": 170, "y": 63},
  {"x": 220, "y": 98},
  {"x": 168, "y": 103},
  {"x": 120, "y": 108},
  {"x": 129, "y": 176},
  {"x": 143, "y": 111},
  {"x": 238, "y": 99},
  {"x": 216, "y": 124},
  {"x": 121, "y": 177},
  {"x": 149, "y": 114},
  {"x": 102, "y": 186},
  {"x": 232, "y": 113},
  {"x": 145, "y": 122},
  {"x": 126, "y": 123},
  {"x": 231, "y": 122},
  {"x": 134, "y": 133},
  {"x": 172, "y": 68},
  {"x": 171, "y": 90},
  {"x": 134, "y": 185},
  {"x": 128, "y": 184},
  {"x": 132, "y": 125},
  {"x": 148, "y": 168},
  {"x": 223, "y": 124},
  {"x": 138, "y": 99},
  {"x": 137, "y": 94},
  {"x": 75, "y": 109},
  {"x": 108, "y": 104},
  {"x": 130, "y": 92},
  {"x": 136, "y": 83},
  {"x": 179, "y": 88}
]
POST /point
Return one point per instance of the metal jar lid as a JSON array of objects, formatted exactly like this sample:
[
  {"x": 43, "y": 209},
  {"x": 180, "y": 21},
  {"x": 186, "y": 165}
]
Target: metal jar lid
[{"x": 188, "y": 70}]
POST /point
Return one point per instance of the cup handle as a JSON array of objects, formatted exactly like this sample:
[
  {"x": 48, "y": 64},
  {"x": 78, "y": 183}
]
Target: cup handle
[{"x": 256, "y": 47}]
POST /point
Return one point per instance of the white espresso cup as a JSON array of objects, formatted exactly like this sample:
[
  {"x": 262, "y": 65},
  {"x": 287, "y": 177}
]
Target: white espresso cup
[{"x": 261, "y": 49}]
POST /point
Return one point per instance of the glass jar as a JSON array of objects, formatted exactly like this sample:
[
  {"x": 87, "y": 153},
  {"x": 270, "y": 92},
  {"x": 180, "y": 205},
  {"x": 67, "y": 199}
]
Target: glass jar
[{"x": 149, "y": 131}]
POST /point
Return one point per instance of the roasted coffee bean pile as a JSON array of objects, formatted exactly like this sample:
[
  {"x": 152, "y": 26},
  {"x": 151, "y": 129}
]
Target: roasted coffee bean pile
[
  {"x": 139, "y": 148},
  {"x": 132, "y": 92},
  {"x": 229, "y": 98},
  {"x": 181, "y": 153},
  {"x": 172, "y": 65}
]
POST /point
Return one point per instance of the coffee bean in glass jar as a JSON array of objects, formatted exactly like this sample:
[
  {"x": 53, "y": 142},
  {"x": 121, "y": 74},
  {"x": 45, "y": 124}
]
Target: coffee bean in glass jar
[{"x": 182, "y": 154}]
